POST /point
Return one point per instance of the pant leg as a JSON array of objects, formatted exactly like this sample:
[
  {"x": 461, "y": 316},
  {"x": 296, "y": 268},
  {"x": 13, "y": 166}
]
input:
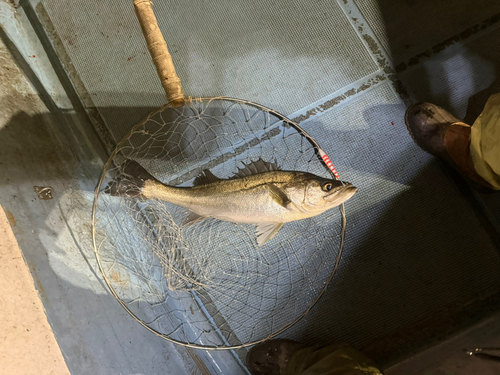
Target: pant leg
[
  {"x": 338, "y": 359},
  {"x": 485, "y": 142}
]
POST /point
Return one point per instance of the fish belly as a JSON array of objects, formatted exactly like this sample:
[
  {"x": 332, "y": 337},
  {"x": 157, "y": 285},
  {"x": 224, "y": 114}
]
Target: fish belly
[{"x": 250, "y": 206}]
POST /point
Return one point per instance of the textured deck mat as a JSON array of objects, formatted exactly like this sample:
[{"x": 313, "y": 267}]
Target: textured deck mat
[{"x": 414, "y": 248}]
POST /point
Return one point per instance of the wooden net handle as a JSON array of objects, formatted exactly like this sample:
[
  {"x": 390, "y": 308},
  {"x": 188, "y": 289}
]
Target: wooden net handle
[{"x": 159, "y": 52}]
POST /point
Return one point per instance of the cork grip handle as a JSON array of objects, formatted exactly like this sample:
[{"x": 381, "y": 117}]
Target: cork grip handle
[{"x": 159, "y": 52}]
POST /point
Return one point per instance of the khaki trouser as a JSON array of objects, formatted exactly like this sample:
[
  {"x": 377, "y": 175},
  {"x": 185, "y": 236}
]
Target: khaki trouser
[
  {"x": 339, "y": 359},
  {"x": 485, "y": 142}
]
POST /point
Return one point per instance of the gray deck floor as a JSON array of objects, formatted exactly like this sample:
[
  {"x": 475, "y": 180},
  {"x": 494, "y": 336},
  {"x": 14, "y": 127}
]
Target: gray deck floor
[{"x": 420, "y": 252}]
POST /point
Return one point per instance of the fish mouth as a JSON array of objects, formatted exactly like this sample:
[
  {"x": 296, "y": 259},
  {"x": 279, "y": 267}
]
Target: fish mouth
[{"x": 346, "y": 191}]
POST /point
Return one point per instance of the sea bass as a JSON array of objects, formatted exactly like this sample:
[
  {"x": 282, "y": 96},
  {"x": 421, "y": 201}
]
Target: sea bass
[{"x": 259, "y": 193}]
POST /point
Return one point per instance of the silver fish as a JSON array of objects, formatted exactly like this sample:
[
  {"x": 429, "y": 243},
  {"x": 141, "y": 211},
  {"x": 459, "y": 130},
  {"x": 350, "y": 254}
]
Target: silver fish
[{"x": 259, "y": 194}]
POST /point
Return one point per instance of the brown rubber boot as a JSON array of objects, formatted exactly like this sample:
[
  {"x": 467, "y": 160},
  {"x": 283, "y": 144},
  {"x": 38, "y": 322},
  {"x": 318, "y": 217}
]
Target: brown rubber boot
[
  {"x": 441, "y": 134},
  {"x": 271, "y": 357}
]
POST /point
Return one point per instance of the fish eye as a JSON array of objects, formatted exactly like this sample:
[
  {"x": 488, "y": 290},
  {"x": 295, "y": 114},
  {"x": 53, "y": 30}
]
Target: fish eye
[{"x": 327, "y": 186}]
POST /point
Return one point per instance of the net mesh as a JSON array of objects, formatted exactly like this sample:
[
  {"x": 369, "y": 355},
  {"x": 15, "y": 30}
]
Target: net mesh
[{"x": 209, "y": 285}]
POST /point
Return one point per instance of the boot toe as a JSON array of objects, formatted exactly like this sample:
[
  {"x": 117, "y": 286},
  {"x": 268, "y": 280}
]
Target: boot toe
[{"x": 427, "y": 124}]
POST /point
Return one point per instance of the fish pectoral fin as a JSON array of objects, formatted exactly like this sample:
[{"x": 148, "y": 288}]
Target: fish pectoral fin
[
  {"x": 192, "y": 218},
  {"x": 266, "y": 231},
  {"x": 278, "y": 195},
  {"x": 206, "y": 177}
]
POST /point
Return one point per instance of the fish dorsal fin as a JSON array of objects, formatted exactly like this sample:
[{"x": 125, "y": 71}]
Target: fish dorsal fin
[
  {"x": 206, "y": 177},
  {"x": 266, "y": 231},
  {"x": 256, "y": 167}
]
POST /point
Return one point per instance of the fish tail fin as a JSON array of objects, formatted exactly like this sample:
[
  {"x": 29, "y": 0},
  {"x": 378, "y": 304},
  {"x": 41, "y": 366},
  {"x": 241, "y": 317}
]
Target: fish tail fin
[{"x": 130, "y": 181}]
